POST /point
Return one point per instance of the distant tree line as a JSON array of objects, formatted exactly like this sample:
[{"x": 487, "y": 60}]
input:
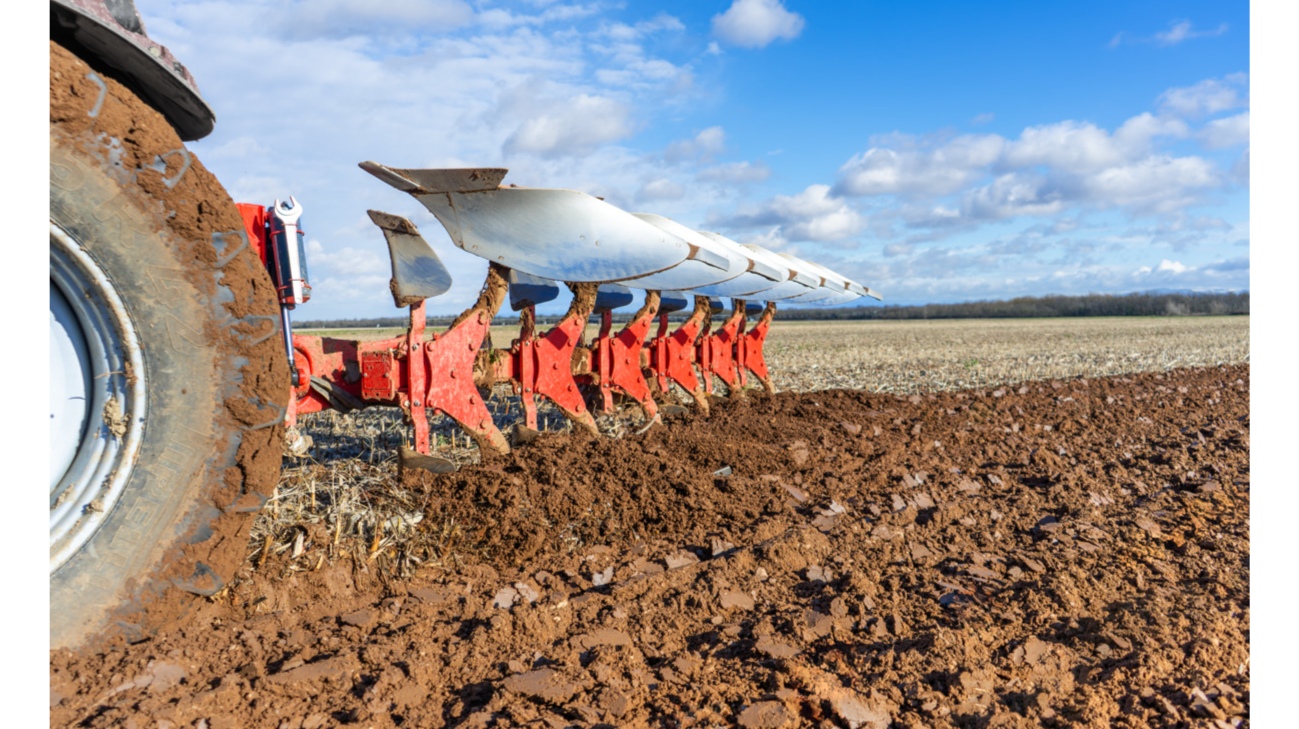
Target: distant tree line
[
  {"x": 1027, "y": 307},
  {"x": 1024, "y": 307}
]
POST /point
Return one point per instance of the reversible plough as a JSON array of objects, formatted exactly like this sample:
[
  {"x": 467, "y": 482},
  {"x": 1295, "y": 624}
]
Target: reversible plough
[{"x": 534, "y": 238}]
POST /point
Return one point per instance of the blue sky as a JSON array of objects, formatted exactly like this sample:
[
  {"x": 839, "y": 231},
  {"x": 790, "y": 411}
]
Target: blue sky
[{"x": 933, "y": 151}]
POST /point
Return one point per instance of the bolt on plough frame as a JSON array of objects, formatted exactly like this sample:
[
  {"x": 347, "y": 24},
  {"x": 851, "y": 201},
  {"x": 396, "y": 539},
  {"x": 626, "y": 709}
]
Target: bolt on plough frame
[{"x": 534, "y": 238}]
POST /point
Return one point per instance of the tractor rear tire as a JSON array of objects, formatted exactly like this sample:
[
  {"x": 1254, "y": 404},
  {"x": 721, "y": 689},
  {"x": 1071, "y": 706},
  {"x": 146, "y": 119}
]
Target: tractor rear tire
[{"x": 174, "y": 442}]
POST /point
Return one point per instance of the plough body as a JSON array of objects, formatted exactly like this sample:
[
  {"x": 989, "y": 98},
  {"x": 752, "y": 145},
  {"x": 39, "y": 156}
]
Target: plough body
[{"x": 590, "y": 245}]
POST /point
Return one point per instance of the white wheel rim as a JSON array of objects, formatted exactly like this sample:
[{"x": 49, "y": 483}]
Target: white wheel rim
[{"x": 93, "y": 346}]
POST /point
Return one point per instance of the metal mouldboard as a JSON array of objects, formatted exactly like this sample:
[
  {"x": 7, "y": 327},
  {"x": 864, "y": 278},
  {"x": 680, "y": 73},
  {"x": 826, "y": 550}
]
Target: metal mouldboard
[
  {"x": 711, "y": 263},
  {"x": 757, "y": 275},
  {"x": 564, "y": 235},
  {"x": 417, "y": 272}
]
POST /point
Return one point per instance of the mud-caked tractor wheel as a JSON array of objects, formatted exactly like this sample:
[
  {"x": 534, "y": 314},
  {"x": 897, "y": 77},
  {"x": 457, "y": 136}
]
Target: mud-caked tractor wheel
[{"x": 168, "y": 379}]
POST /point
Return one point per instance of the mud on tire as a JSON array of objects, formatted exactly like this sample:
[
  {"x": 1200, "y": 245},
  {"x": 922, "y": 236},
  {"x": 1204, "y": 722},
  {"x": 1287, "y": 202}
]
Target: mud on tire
[{"x": 128, "y": 199}]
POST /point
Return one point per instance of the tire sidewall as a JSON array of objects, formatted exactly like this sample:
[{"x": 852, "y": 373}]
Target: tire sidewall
[
  {"x": 171, "y": 243},
  {"x": 179, "y": 449}
]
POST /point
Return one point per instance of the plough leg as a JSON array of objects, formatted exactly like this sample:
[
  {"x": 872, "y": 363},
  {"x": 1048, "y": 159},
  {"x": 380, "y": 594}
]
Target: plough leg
[
  {"x": 674, "y": 355},
  {"x": 751, "y": 345},
  {"x": 720, "y": 349},
  {"x": 544, "y": 365},
  {"x": 703, "y": 352},
  {"x": 618, "y": 358}
]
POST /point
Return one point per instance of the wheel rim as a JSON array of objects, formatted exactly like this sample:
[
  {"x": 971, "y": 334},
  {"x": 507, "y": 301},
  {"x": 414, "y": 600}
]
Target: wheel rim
[{"x": 97, "y": 396}]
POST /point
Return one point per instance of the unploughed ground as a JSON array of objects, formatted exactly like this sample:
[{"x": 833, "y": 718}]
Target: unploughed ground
[{"x": 1053, "y": 553}]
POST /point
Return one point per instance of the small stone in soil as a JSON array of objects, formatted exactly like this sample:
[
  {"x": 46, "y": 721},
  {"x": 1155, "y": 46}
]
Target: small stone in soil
[
  {"x": 505, "y": 598},
  {"x": 680, "y": 558}
]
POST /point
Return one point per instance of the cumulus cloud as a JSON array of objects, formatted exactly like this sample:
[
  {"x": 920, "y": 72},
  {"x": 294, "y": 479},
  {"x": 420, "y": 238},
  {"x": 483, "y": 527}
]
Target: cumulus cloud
[
  {"x": 660, "y": 189},
  {"x": 756, "y": 23},
  {"x": 1226, "y": 132},
  {"x": 1012, "y": 195},
  {"x": 1210, "y": 96},
  {"x": 1082, "y": 147},
  {"x": 571, "y": 127},
  {"x": 703, "y": 146},
  {"x": 1043, "y": 171},
  {"x": 815, "y": 214},
  {"x": 1158, "y": 184},
  {"x": 911, "y": 169},
  {"x": 624, "y": 61}
]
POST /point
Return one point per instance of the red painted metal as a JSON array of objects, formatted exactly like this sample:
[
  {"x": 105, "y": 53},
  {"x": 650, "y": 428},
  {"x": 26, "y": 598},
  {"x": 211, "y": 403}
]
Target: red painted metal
[
  {"x": 673, "y": 356},
  {"x": 415, "y": 404},
  {"x": 720, "y": 359},
  {"x": 618, "y": 358},
  {"x": 449, "y": 361},
  {"x": 544, "y": 366},
  {"x": 602, "y": 353},
  {"x": 255, "y": 223},
  {"x": 751, "y": 347},
  {"x": 377, "y": 382},
  {"x": 421, "y": 377}
]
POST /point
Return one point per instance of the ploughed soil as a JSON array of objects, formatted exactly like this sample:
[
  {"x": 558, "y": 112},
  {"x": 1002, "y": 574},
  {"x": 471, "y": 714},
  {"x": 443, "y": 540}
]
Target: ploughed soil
[{"x": 1057, "y": 553}]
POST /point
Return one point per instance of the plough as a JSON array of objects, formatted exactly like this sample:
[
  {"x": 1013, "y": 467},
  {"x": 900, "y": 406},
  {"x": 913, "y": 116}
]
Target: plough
[
  {"x": 534, "y": 238},
  {"x": 168, "y": 394}
]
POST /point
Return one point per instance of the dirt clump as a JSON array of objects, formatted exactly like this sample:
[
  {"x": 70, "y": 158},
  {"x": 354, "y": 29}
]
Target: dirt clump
[{"x": 1057, "y": 553}]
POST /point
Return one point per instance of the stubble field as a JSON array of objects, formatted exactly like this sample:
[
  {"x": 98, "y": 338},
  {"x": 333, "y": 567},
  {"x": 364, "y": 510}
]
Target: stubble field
[{"x": 947, "y": 523}]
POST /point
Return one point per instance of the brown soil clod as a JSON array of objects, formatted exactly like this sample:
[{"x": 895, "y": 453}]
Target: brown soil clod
[{"x": 620, "y": 582}]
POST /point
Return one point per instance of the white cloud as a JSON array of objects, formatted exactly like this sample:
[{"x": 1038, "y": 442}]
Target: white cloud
[
  {"x": 571, "y": 127},
  {"x": 1226, "y": 132},
  {"x": 1070, "y": 146},
  {"x": 1012, "y": 195},
  {"x": 1082, "y": 147},
  {"x": 735, "y": 172},
  {"x": 1182, "y": 30},
  {"x": 645, "y": 73},
  {"x": 1210, "y": 96},
  {"x": 756, "y": 23},
  {"x": 772, "y": 239},
  {"x": 912, "y": 170},
  {"x": 625, "y": 32},
  {"x": 703, "y": 146},
  {"x": 1178, "y": 32},
  {"x": 501, "y": 18},
  {"x": 660, "y": 189},
  {"x": 815, "y": 214},
  {"x": 1156, "y": 184},
  {"x": 1047, "y": 169},
  {"x": 1221, "y": 275},
  {"x": 343, "y": 18}
]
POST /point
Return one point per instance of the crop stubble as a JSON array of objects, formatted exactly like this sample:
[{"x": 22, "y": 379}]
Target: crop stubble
[{"x": 1068, "y": 552}]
